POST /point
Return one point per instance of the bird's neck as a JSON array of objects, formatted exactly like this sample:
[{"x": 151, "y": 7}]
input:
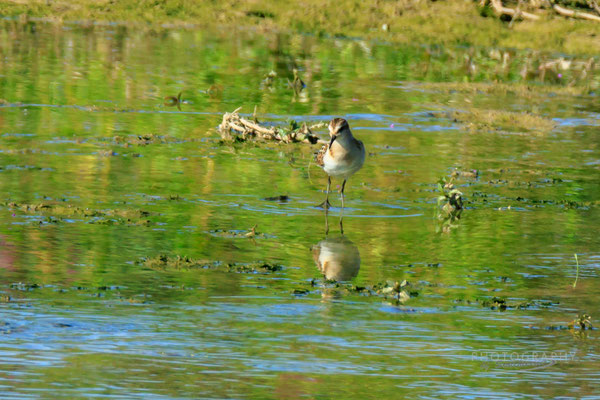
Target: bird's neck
[{"x": 345, "y": 140}]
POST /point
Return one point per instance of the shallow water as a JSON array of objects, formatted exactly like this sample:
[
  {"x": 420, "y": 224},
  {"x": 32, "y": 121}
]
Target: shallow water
[{"x": 97, "y": 174}]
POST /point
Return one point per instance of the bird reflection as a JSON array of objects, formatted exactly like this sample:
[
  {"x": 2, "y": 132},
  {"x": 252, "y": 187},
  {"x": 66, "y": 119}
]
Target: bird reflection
[{"x": 337, "y": 258}]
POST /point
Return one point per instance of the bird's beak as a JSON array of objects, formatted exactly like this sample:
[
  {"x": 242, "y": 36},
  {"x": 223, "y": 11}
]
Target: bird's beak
[{"x": 332, "y": 140}]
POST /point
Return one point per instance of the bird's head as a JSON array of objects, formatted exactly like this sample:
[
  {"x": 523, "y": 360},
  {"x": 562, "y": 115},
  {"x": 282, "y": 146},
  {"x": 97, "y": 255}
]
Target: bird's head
[{"x": 338, "y": 127}]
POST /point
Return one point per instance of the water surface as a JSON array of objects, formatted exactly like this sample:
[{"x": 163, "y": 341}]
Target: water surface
[{"x": 98, "y": 174}]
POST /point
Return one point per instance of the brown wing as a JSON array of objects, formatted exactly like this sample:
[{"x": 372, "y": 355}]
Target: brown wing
[{"x": 321, "y": 154}]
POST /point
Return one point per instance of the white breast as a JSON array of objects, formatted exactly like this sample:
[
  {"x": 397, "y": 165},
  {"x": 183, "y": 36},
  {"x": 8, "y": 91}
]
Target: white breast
[{"x": 346, "y": 165}]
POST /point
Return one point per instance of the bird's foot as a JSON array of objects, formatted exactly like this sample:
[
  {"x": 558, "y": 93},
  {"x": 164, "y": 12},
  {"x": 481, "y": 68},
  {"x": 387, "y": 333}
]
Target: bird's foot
[{"x": 326, "y": 205}]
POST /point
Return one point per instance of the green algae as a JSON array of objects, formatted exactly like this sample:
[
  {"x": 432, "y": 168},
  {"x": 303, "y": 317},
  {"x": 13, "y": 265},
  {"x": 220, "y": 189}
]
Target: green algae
[
  {"x": 522, "y": 89},
  {"x": 476, "y": 120},
  {"x": 146, "y": 139},
  {"x": 167, "y": 263},
  {"x": 251, "y": 233},
  {"x": 389, "y": 289},
  {"x": 58, "y": 212}
]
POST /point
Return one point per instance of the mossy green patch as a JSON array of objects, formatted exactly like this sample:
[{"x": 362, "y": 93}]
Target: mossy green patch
[
  {"x": 57, "y": 212},
  {"x": 498, "y": 120},
  {"x": 144, "y": 140},
  {"x": 452, "y": 22},
  {"x": 177, "y": 262},
  {"x": 497, "y": 88}
]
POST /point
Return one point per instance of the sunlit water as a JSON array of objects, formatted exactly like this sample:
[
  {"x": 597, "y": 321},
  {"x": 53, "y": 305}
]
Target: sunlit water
[{"x": 81, "y": 317}]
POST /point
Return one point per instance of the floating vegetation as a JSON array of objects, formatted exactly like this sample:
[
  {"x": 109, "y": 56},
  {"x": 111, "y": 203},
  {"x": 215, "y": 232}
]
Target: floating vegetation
[
  {"x": 496, "y": 303},
  {"x": 237, "y": 128},
  {"x": 494, "y": 120},
  {"x": 144, "y": 140},
  {"x": 251, "y": 233},
  {"x": 501, "y": 304},
  {"x": 478, "y": 196},
  {"x": 103, "y": 217},
  {"x": 25, "y": 287},
  {"x": 166, "y": 262},
  {"x": 396, "y": 290},
  {"x": 583, "y": 322},
  {"x": 257, "y": 267},
  {"x": 389, "y": 290},
  {"x": 450, "y": 205},
  {"x": 163, "y": 261},
  {"x": 128, "y": 221},
  {"x": 524, "y": 90},
  {"x": 450, "y": 198},
  {"x": 465, "y": 174},
  {"x": 567, "y": 204}
]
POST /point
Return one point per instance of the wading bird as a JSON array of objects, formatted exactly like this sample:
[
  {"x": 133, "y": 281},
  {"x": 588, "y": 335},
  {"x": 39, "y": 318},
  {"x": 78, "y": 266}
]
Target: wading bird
[{"x": 342, "y": 157}]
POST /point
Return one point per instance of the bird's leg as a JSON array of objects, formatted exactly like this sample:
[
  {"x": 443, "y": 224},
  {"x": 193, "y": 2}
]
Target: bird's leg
[
  {"x": 326, "y": 205},
  {"x": 343, "y": 186},
  {"x": 326, "y": 223},
  {"x": 342, "y": 216}
]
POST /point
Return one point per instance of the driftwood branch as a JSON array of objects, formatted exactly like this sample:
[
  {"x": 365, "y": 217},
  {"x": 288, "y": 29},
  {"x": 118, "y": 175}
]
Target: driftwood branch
[
  {"x": 575, "y": 14},
  {"x": 594, "y": 5},
  {"x": 237, "y": 127},
  {"x": 518, "y": 13},
  {"x": 501, "y": 10}
]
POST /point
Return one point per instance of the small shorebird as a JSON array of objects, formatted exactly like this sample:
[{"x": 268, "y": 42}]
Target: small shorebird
[{"x": 342, "y": 157}]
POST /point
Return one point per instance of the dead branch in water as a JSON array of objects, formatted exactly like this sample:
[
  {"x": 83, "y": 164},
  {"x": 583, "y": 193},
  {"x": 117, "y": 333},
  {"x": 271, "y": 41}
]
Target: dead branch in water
[
  {"x": 594, "y": 5},
  {"x": 575, "y": 14},
  {"x": 501, "y": 10},
  {"x": 238, "y": 128},
  {"x": 518, "y": 13}
]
